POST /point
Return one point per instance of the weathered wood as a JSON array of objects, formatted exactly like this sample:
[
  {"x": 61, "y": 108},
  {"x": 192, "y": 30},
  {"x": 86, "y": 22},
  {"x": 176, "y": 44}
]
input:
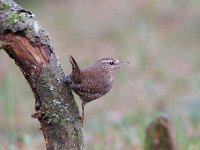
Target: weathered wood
[
  {"x": 160, "y": 135},
  {"x": 25, "y": 41}
]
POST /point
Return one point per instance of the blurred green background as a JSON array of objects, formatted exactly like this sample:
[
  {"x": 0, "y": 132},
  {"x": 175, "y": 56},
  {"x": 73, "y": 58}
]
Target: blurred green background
[{"x": 161, "y": 39}]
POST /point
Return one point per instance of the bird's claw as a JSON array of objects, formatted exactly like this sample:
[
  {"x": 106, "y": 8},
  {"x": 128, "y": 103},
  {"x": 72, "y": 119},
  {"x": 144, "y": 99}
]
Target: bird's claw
[{"x": 67, "y": 79}]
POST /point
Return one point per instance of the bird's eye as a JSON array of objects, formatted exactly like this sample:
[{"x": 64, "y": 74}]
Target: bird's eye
[{"x": 111, "y": 63}]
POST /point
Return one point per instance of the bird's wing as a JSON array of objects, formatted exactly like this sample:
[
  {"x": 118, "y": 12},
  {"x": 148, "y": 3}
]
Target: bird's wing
[
  {"x": 76, "y": 73},
  {"x": 92, "y": 84}
]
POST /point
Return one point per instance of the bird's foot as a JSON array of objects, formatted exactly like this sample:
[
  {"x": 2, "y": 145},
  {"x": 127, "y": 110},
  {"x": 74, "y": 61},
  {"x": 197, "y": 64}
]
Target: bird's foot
[{"x": 67, "y": 79}]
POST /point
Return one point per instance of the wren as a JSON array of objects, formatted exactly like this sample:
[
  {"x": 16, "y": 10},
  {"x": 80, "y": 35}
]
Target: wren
[{"x": 93, "y": 81}]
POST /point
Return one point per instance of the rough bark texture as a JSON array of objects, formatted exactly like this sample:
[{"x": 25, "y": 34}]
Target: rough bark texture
[
  {"x": 160, "y": 135},
  {"x": 24, "y": 40}
]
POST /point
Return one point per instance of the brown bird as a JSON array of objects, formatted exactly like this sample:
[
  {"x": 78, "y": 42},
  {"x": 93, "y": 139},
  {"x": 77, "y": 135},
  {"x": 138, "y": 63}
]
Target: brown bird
[{"x": 93, "y": 81}]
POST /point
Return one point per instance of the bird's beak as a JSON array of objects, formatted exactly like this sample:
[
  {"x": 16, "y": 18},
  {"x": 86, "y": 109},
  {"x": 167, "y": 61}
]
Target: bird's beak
[
  {"x": 120, "y": 63},
  {"x": 123, "y": 62}
]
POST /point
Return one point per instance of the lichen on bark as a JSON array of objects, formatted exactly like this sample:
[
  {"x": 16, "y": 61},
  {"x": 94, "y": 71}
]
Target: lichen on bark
[{"x": 28, "y": 44}]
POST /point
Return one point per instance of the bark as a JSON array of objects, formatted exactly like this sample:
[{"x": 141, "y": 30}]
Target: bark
[
  {"x": 28, "y": 44},
  {"x": 160, "y": 135}
]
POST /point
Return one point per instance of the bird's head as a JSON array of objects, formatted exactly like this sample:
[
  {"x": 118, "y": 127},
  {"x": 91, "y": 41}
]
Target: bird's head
[{"x": 110, "y": 65}]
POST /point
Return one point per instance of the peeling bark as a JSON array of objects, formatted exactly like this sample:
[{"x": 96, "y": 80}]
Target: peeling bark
[{"x": 24, "y": 41}]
